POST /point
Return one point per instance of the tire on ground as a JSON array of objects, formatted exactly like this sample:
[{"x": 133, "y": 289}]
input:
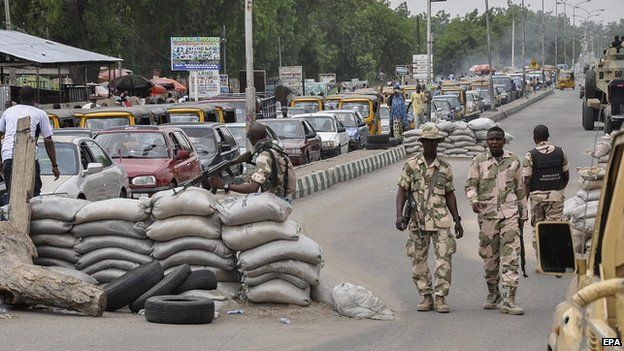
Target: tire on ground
[
  {"x": 202, "y": 279},
  {"x": 173, "y": 309},
  {"x": 130, "y": 286},
  {"x": 590, "y": 85},
  {"x": 164, "y": 287},
  {"x": 588, "y": 117}
]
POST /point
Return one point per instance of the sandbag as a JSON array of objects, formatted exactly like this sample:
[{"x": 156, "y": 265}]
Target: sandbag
[
  {"x": 412, "y": 150},
  {"x": 591, "y": 195},
  {"x": 58, "y": 240},
  {"x": 464, "y": 144},
  {"x": 46, "y": 261},
  {"x": 475, "y": 149},
  {"x": 456, "y": 151},
  {"x": 412, "y": 133},
  {"x": 248, "y": 236},
  {"x": 112, "y": 263},
  {"x": 221, "y": 275},
  {"x": 198, "y": 258},
  {"x": 192, "y": 201},
  {"x": 111, "y": 253},
  {"x": 108, "y": 275},
  {"x": 592, "y": 173},
  {"x": 585, "y": 225},
  {"x": 49, "y": 226},
  {"x": 278, "y": 291},
  {"x": 570, "y": 205},
  {"x": 410, "y": 140},
  {"x": 183, "y": 226},
  {"x": 443, "y": 125},
  {"x": 252, "y": 208},
  {"x": 481, "y": 134},
  {"x": 602, "y": 147},
  {"x": 459, "y": 126},
  {"x": 59, "y": 253},
  {"x": 296, "y": 281},
  {"x": 55, "y": 207},
  {"x": 88, "y": 244},
  {"x": 481, "y": 123},
  {"x": 509, "y": 137},
  {"x": 306, "y": 271},
  {"x": 468, "y": 133},
  {"x": 590, "y": 184},
  {"x": 165, "y": 249},
  {"x": 445, "y": 146},
  {"x": 121, "y": 209},
  {"x": 83, "y": 277},
  {"x": 465, "y": 138},
  {"x": 110, "y": 227},
  {"x": 587, "y": 210},
  {"x": 304, "y": 249},
  {"x": 357, "y": 302}
]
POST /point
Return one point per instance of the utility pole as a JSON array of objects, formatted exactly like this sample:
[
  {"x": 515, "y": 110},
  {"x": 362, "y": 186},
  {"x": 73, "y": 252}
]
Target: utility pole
[
  {"x": 224, "y": 41},
  {"x": 487, "y": 24},
  {"x": 418, "y": 34},
  {"x": 565, "y": 37},
  {"x": 573, "y": 37},
  {"x": 523, "y": 52},
  {"x": 7, "y": 15},
  {"x": 556, "y": 29},
  {"x": 429, "y": 43},
  {"x": 250, "y": 91},
  {"x": 513, "y": 43},
  {"x": 279, "y": 49},
  {"x": 543, "y": 29}
]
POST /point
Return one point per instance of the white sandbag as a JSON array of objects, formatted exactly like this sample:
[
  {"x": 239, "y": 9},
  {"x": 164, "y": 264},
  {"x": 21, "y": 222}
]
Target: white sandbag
[
  {"x": 110, "y": 227},
  {"x": 248, "y": 236},
  {"x": 412, "y": 150},
  {"x": 412, "y": 133},
  {"x": 304, "y": 249},
  {"x": 464, "y": 144},
  {"x": 164, "y": 249},
  {"x": 192, "y": 201},
  {"x": 88, "y": 244},
  {"x": 591, "y": 195},
  {"x": 446, "y": 126},
  {"x": 107, "y": 264},
  {"x": 356, "y": 302},
  {"x": 480, "y": 134},
  {"x": 296, "y": 281},
  {"x": 585, "y": 225},
  {"x": 463, "y": 132},
  {"x": 83, "y": 277},
  {"x": 122, "y": 209},
  {"x": 445, "y": 146},
  {"x": 481, "y": 123},
  {"x": 111, "y": 253},
  {"x": 108, "y": 275},
  {"x": 183, "y": 226},
  {"x": 476, "y": 149},
  {"x": 254, "y": 208},
  {"x": 592, "y": 173},
  {"x": 456, "y": 151},
  {"x": 459, "y": 138},
  {"x": 278, "y": 291},
  {"x": 590, "y": 184},
  {"x": 220, "y": 274},
  {"x": 55, "y": 207},
  {"x": 45, "y": 261},
  {"x": 410, "y": 140},
  {"x": 58, "y": 240},
  {"x": 198, "y": 258},
  {"x": 602, "y": 147},
  {"x": 509, "y": 137},
  {"x": 49, "y": 226},
  {"x": 570, "y": 205},
  {"x": 587, "y": 210},
  {"x": 306, "y": 271},
  {"x": 59, "y": 253}
]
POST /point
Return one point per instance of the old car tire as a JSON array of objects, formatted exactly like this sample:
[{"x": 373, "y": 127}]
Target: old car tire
[
  {"x": 590, "y": 84},
  {"x": 588, "y": 117},
  {"x": 202, "y": 279},
  {"x": 164, "y": 287},
  {"x": 174, "y": 309},
  {"x": 130, "y": 286}
]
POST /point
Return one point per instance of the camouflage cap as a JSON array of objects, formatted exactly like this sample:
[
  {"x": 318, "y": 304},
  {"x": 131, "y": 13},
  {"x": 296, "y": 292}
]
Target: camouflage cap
[{"x": 431, "y": 132}]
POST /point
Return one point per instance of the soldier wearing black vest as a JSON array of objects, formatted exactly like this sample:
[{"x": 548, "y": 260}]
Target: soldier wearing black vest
[{"x": 546, "y": 174}]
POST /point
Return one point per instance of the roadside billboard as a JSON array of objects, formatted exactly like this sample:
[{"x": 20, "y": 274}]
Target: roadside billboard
[
  {"x": 225, "y": 83},
  {"x": 292, "y": 77},
  {"x": 204, "y": 84},
  {"x": 327, "y": 78},
  {"x": 195, "y": 53}
]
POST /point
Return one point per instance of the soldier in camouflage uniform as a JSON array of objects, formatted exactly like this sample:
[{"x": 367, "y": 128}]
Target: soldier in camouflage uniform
[
  {"x": 496, "y": 191},
  {"x": 430, "y": 180},
  {"x": 266, "y": 176},
  {"x": 545, "y": 179}
]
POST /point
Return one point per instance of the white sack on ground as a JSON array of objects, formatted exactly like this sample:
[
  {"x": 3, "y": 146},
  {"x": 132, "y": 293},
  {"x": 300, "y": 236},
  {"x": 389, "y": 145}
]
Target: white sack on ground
[
  {"x": 253, "y": 208},
  {"x": 60, "y": 253},
  {"x": 278, "y": 291},
  {"x": 357, "y": 302},
  {"x": 183, "y": 226},
  {"x": 248, "y": 236},
  {"x": 142, "y": 246},
  {"x": 122, "y": 209},
  {"x": 198, "y": 258},
  {"x": 192, "y": 201},
  {"x": 306, "y": 271},
  {"x": 55, "y": 207},
  {"x": 111, "y": 253},
  {"x": 164, "y": 249},
  {"x": 84, "y": 277},
  {"x": 110, "y": 227},
  {"x": 49, "y": 226},
  {"x": 304, "y": 249},
  {"x": 112, "y": 263},
  {"x": 58, "y": 240},
  {"x": 296, "y": 281}
]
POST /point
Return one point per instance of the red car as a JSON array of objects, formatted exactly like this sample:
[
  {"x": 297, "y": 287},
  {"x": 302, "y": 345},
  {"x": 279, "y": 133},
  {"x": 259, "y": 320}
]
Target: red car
[
  {"x": 155, "y": 158},
  {"x": 301, "y": 142}
]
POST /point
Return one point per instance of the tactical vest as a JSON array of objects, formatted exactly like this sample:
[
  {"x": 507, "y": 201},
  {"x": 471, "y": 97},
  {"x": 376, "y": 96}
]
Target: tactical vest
[
  {"x": 290, "y": 179},
  {"x": 547, "y": 170}
]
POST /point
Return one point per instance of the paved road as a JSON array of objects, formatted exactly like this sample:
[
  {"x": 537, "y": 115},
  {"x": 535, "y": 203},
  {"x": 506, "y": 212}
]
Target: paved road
[{"x": 354, "y": 223}]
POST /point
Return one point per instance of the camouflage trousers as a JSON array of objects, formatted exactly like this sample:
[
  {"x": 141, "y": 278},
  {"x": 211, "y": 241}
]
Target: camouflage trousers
[
  {"x": 418, "y": 249},
  {"x": 499, "y": 247},
  {"x": 544, "y": 211}
]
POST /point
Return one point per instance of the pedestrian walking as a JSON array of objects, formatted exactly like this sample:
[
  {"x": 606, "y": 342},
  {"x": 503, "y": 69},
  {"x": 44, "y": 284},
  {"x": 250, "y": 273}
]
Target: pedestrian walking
[
  {"x": 417, "y": 102},
  {"x": 398, "y": 113},
  {"x": 429, "y": 180},
  {"x": 496, "y": 192},
  {"x": 546, "y": 174}
]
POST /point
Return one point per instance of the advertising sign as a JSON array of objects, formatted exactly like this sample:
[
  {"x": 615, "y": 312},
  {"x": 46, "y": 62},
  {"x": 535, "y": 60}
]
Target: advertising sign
[
  {"x": 225, "y": 83},
  {"x": 195, "y": 53},
  {"x": 292, "y": 77},
  {"x": 327, "y": 78},
  {"x": 204, "y": 84},
  {"x": 402, "y": 70}
]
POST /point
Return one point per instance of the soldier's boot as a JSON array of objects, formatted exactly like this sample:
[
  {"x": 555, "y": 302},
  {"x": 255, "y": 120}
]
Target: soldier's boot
[
  {"x": 493, "y": 299},
  {"x": 509, "y": 305},
  {"x": 426, "y": 304},
  {"x": 440, "y": 305}
]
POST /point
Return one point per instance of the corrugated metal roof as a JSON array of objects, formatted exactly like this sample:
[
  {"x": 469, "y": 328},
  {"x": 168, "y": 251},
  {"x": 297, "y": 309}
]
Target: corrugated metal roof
[{"x": 34, "y": 49}]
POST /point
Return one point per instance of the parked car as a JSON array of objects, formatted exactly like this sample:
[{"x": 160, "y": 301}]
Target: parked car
[
  {"x": 239, "y": 132},
  {"x": 83, "y": 132},
  {"x": 155, "y": 158},
  {"x": 442, "y": 110},
  {"x": 487, "y": 98},
  {"x": 301, "y": 142},
  {"x": 215, "y": 145},
  {"x": 334, "y": 137},
  {"x": 453, "y": 100},
  {"x": 356, "y": 128},
  {"x": 87, "y": 172}
]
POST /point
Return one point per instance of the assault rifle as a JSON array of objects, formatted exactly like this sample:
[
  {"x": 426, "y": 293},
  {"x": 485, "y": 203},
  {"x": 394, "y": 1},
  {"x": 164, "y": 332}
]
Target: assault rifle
[
  {"x": 522, "y": 253},
  {"x": 409, "y": 212}
]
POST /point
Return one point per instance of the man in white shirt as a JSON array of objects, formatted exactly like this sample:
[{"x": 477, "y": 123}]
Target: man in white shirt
[{"x": 39, "y": 125}]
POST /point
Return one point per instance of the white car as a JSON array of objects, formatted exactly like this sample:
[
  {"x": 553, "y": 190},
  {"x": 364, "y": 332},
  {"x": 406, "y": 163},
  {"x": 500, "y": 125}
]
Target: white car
[
  {"x": 334, "y": 137},
  {"x": 87, "y": 172},
  {"x": 384, "y": 113}
]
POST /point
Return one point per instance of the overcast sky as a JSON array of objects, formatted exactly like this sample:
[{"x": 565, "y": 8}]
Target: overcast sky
[{"x": 614, "y": 9}]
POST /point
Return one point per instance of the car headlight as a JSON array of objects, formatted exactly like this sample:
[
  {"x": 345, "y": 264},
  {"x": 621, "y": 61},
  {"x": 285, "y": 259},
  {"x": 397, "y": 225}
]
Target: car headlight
[
  {"x": 294, "y": 152},
  {"x": 329, "y": 144},
  {"x": 144, "y": 180}
]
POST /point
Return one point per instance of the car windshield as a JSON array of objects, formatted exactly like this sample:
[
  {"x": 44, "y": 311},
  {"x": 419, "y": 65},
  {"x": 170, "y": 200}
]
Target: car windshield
[
  {"x": 66, "y": 157},
  {"x": 347, "y": 119},
  {"x": 286, "y": 129},
  {"x": 384, "y": 112},
  {"x": 361, "y": 107},
  {"x": 73, "y": 132},
  {"x": 484, "y": 94},
  {"x": 202, "y": 139},
  {"x": 442, "y": 104},
  {"x": 331, "y": 104},
  {"x": 134, "y": 145},
  {"x": 240, "y": 134},
  {"x": 100, "y": 123},
  {"x": 307, "y": 106},
  {"x": 185, "y": 118},
  {"x": 454, "y": 101},
  {"x": 564, "y": 75},
  {"x": 322, "y": 124}
]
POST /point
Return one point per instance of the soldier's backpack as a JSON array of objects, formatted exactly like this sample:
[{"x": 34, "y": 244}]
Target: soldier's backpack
[{"x": 290, "y": 179}]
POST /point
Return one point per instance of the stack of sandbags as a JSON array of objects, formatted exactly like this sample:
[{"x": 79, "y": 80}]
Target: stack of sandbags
[
  {"x": 461, "y": 140},
  {"x": 602, "y": 150},
  {"x": 51, "y": 221},
  {"x": 112, "y": 236},
  {"x": 480, "y": 126},
  {"x": 410, "y": 141},
  {"x": 278, "y": 264},
  {"x": 186, "y": 230}
]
